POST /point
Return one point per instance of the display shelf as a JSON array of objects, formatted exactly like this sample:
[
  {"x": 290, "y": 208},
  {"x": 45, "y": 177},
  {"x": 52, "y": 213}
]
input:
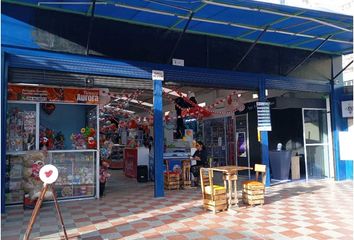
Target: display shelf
[
  {"x": 16, "y": 153},
  {"x": 72, "y": 150}
]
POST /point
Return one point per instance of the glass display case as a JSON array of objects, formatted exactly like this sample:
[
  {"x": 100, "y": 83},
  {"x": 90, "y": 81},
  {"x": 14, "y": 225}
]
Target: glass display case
[{"x": 77, "y": 173}]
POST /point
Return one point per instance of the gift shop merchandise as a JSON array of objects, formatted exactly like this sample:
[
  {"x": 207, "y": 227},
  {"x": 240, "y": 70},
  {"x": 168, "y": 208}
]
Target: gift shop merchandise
[{"x": 51, "y": 125}]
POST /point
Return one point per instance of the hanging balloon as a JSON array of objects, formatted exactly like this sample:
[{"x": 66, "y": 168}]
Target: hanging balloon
[
  {"x": 48, "y": 108},
  {"x": 241, "y": 107},
  {"x": 132, "y": 124},
  {"x": 229, "y": 99},
  {"x": 122, "y": 124},
  {"x": 167, "y": 118},
  {"x": 151, "y": 120}
]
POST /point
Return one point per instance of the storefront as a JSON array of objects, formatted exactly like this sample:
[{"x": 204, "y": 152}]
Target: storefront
[
  {"x": 63, "y": 123},
  {"x": 17, "y": 59},
  {"x": 24, "y": 61}
]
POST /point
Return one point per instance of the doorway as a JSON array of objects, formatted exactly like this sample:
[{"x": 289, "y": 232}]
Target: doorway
[{"x": 316, "y": 142}]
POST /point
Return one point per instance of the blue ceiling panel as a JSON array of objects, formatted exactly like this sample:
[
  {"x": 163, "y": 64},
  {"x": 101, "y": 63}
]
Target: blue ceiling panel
[
  {"x": 289, "y": 23},
  {"x": 322, "y": 31},
  {"x": 150, "y": 18},
  {"x": 262, "y": 5},
  {"x": 328, "y": 46},
  {"x": 82, "y": 7},
  {"x": 115, "y": 12},
  {"x": 236, "y": 16},
  {"x": 276, "y": 38},
  {"x": 224, "y": 30},
  {"x": 345, "y": 35}
]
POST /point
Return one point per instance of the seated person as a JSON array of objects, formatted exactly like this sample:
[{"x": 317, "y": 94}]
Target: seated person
[{"x": 201, "y": 158}]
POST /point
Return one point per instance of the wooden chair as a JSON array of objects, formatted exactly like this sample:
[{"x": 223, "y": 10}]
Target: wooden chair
[
  {"x": 214, "y": 197},
  {"x": 253, "y": 190},
  {"x": 260, "y": 170},
  {"x": 171, "y": 179}
]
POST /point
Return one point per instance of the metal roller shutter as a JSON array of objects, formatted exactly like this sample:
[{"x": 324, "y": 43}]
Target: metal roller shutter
[{"x": 20, "y": 75}]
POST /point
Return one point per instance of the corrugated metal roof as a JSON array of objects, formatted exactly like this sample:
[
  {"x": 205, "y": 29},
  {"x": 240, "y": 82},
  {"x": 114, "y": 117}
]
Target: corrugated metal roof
[{"x": 239, "y": 20}]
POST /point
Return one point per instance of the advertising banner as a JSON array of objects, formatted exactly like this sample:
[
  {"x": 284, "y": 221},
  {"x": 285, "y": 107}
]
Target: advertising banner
[{"x": 52, "y": 94}]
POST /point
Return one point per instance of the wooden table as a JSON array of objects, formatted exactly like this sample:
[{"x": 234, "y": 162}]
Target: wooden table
[{"x": 231, "y": 177}]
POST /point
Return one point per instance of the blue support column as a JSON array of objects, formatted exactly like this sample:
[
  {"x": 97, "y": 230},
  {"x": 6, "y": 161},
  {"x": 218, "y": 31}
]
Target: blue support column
[
  {"x": 4, "y": 69},
  {"x": 343, "y": 168},
  {"x": 264, "y": 134},
  {"x": 158, "y": 139}
]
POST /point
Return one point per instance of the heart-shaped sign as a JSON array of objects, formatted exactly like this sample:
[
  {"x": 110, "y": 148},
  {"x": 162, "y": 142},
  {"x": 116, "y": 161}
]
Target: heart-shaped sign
[
  {"x": 48, "y": 174},
  {"x": 48, "y": 108}
]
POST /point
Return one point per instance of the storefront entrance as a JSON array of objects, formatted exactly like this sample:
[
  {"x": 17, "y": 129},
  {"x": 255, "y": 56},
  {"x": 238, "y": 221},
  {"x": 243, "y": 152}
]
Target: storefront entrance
[{"x": 316, "y": 143}]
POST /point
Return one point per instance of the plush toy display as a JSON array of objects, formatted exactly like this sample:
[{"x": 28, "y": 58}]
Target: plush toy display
[
  {"x": 32, "y": 185},
  {"x": 91, "y": 143}
]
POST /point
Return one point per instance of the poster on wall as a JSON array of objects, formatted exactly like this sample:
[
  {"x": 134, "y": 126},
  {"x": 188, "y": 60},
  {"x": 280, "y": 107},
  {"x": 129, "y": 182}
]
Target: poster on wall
[
  {"x": 347, "y": 109},
  {"x": 52, "y": 94},
  {"x": 241, "y": 144}
]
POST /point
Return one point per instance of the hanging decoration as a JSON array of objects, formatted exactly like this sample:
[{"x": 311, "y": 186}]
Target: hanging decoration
[{"x": 48, "y": 108}]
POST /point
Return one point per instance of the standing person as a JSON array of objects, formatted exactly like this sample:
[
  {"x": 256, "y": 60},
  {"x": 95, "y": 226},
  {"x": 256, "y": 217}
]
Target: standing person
[{"x": 201, "y": 158}]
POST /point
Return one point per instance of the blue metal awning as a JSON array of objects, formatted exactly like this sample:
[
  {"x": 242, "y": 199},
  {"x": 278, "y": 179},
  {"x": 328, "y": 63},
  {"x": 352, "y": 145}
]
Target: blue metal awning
[
  {"x": 287, "y": 26},
  {"x": 44, "y": 60}
]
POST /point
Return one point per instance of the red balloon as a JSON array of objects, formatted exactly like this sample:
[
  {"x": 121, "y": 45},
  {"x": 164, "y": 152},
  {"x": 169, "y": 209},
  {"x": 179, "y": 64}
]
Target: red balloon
[
  {"x": 132, "y": 124},
  {"x": 229, "y": 99}
]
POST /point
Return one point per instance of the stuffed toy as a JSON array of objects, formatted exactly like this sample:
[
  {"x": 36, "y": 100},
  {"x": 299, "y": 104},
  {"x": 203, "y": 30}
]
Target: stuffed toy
[
  {"x": 31, "y": 184},
  {"x": 91, "y": 143}
]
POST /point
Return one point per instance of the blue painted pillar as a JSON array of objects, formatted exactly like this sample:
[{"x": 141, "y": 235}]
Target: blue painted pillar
[
  {"x": 158, "y": 139},
  {"x": 4, "y": 69},
  {"x": 264, "y": 134},
  {"x": 343, "y": 168}
]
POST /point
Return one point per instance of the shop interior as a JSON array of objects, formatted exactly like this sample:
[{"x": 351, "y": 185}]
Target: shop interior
[
  {"x": 226, "y": 123},
  {"x": 120, "y": 129}
]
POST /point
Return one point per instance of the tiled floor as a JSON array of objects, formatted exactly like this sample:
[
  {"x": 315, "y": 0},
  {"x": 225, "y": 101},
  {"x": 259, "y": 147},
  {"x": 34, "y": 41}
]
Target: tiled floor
[{"x": 298, "y": 210}]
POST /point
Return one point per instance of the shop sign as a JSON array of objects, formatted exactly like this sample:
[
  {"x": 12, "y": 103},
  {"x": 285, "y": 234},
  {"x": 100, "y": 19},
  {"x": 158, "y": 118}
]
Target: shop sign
[
  {"x": 52, "y": 94},
  {"x": 347, "y": 109},
  {"x": 157, "y": 75},
  {"x": 178, "y": 62},
  {"x": 48, "y": 174},
  {"x": 263, "y": 116},
  {"x": 252, "y": 106}
]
